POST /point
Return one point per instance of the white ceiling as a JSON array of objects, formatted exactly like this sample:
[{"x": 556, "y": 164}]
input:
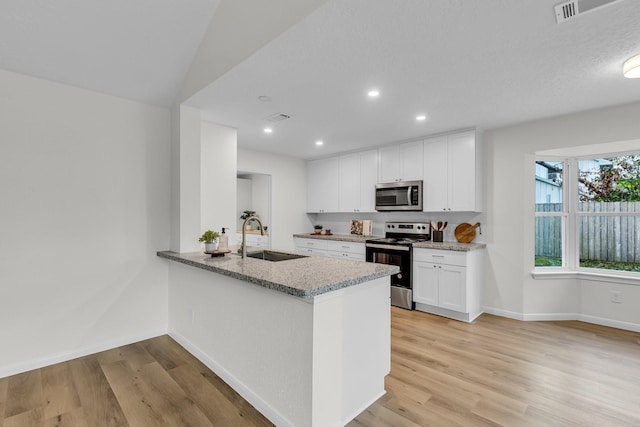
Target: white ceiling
[
  {"x": 464, "y": 63},
  {"x": 135, "y": 49}
]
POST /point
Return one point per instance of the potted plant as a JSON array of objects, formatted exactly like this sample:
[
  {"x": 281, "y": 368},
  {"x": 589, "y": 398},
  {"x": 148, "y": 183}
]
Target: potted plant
[
  {"x": 317, "y": 229},
  {"x": 210, "y": 239},
  {"x": 246, "y": 214}
]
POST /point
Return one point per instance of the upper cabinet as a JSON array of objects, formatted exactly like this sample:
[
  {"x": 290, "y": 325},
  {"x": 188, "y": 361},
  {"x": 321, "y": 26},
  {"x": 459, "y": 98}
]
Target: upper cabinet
[
  {"x": 358, "y": 178},
  {"x": 323, "y": 185},
  {"x": 343, "y": 184},
  {"x": 452, "y": 175},
  {"x": 401, "y": 162}
]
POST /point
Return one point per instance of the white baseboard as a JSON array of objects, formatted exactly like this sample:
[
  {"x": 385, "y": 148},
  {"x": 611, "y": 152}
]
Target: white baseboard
[
  {"x": 263, "y": 407},
  {"x": 41, "y": 362},
  {"x": 634, "y": 327},
  {"x": 533, "y": 317},
  {"x": 361, "y": 410},
  {"x": 503, "y": 313}
]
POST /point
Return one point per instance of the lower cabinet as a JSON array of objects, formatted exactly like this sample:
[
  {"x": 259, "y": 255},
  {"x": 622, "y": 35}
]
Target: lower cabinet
[
  {"x": 448, "y": 283},
  {"x": 255, "y": 240},
  {"x": 331, "y": 248}
]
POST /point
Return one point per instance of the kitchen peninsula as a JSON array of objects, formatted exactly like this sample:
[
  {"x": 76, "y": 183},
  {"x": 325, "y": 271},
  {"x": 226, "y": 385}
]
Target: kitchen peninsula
[{"x": 306, "y": 341}]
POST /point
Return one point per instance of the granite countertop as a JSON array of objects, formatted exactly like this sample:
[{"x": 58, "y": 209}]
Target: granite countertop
[
  {"x": 339, "y": 237},
  {"x": 449, "y": 246},
  {"x": 303, "y": 277}
]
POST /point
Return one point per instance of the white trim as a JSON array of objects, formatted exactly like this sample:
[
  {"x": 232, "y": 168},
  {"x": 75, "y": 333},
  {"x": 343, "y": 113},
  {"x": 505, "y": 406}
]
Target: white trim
[
  {"x": 502, "y": 313},
  {"x": 596, "y": 276},
  {"x": 361, "y": 410},
  {"x": 41, "y": 362},
  {"x": 247, "y": 394},
  {"x": 536, "y": 317}
]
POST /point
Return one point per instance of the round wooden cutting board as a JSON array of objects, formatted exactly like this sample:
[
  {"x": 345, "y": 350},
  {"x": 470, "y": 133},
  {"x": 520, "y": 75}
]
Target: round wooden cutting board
[{"x": 465, "y": 233}]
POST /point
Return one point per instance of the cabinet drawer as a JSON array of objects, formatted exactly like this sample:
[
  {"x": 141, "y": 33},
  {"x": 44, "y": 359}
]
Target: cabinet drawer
[
  {"x": 351, "y": 247},
  {"x": 311, "y": 243},
  {"x": 441, "y": 256},
  {"x": 311, "y": 251},
  {"x": 346, "y": 255}
]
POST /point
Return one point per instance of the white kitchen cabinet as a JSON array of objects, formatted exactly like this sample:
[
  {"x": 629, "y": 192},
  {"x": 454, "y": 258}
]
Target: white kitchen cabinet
[
  {"x": 331, "y": 248},
  {"x": 256, "y": 240},
  {"x": 358, "y": 177},
  {"x": 452, "y": 173},
  {"x": 323, "y": 185},
  {"x": 448, "y": 283},
  {"x": 401, "y": 162}
]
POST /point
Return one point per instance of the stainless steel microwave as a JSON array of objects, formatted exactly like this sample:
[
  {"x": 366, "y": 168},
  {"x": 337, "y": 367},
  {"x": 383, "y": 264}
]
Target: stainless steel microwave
[{"x": 399, "y": 196}]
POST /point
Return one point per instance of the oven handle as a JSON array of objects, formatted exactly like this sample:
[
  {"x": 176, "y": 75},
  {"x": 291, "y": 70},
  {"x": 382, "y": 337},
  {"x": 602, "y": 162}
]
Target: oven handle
[{"x": 390, "y": 247}]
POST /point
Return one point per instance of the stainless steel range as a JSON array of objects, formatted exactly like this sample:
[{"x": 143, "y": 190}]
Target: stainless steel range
[{"x": 396, "y": 248}]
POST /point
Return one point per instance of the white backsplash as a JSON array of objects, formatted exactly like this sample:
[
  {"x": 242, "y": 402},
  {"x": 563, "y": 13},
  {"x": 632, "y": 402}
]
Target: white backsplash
[{"x": 340, "y": 223}]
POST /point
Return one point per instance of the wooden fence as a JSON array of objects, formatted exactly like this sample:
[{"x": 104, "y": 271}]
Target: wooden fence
[{"x": 602, "y": 238}]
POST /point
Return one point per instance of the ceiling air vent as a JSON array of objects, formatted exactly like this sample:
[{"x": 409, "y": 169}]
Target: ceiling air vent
[
  {"x": 277, "y": 117},
  {"x": 571, "y": 9}
]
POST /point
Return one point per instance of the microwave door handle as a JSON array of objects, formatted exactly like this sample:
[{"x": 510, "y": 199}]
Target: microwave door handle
[{"x": 409, "y": 201}]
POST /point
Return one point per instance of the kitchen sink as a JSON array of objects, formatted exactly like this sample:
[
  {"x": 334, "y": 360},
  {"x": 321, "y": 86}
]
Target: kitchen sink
[{"x": 274, "y": 256}]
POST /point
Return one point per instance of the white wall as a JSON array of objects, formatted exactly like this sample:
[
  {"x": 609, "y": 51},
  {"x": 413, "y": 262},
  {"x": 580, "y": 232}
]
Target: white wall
[
  {"x": 510, "y": 154},
  {"x": 84, "y": 187},
  {"x": 218, "y": 177},
  {"x": 288, "y": 193}
]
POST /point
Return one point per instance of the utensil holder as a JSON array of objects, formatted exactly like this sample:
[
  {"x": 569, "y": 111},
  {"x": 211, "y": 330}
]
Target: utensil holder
[{"x": 437, "y": 236}]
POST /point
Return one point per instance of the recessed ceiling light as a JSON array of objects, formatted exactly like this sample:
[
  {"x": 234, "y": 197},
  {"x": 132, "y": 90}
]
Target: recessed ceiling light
[
  {"x": 421, "y": 117},
  {"x": 319, "y": 143},
  {"x": 373, "y": 93},
  {"x": 631, "y": 67},
  {"x": 264, "y": 98},
  {"x": 268, "y": 130}
]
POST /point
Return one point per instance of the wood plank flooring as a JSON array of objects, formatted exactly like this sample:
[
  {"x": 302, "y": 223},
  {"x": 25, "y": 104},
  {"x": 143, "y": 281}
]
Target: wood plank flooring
[{"x": 493, "y": 372}]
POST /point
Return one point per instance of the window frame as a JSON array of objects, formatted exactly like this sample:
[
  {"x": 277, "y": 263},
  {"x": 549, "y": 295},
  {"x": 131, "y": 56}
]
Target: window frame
[{"x": 571, "y": 227}]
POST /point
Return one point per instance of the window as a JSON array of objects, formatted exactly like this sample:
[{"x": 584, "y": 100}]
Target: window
[{"x": 588, "y": 214}]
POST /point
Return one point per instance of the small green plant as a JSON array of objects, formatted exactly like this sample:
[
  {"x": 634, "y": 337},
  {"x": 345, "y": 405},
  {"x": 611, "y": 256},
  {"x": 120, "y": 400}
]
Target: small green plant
[
  {"x": 209, "y": 236},
  {"x": 246, "y": 214},
  {"x": 317, "y": 227}
]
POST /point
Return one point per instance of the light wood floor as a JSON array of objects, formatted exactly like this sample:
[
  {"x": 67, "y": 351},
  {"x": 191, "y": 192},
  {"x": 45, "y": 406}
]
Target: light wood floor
[{"x": 494, "y": 372}]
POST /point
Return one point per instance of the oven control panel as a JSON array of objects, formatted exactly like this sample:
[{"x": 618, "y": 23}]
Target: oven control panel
[{"x": 407, "y": 227}]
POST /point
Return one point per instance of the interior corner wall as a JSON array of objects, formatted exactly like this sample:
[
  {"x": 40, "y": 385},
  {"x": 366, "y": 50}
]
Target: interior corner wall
[
  {"x": 218, "y": 177},
  {"x": 84, "y": 187},
  {"x": 288, "y": 193},
  {"x": 510, "y": 152}
]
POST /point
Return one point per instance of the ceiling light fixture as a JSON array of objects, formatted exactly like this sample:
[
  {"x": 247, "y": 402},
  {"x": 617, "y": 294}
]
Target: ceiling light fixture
[
  {"x": 373, "y": 93},
  {"x": 319, "y": 143},
  {"x": 268, "y": 130},
  {"x": 264, "y": 98},
  {"x": 631, "y": 67},
  {"x": 421, "y": 117}
]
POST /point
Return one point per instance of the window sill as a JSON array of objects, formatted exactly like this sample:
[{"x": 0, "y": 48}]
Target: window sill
[{"x": 598, "y": 276}]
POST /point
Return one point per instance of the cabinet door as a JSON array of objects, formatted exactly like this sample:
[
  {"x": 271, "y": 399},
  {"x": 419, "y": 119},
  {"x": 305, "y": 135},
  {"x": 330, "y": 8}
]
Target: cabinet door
[
  {"x": 389, "y": 169},
  {"x": 425, "y": 283},
  {"x": 350, "y": 183},
  {"x": 368, "y": 180},
  {"x": 323, "y": 185},
  {"x": 452, "y": 287},
  {"x": 462, "y": 171},
  {"x": 435, "y": 187},
  {"x": 411, "y": 161}
]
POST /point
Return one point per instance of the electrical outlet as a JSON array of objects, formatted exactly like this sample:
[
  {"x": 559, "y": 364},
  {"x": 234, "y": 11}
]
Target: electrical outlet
[
  {"x": 616, "y": 297},
  {"x": 192, "y": 315}
]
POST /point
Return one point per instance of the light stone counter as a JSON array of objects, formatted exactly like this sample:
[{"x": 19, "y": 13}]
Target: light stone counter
[
  {"x": 303, "y": 277},
  {"x": 449, "y": 246},
  {"x": 338, "y": 237}
]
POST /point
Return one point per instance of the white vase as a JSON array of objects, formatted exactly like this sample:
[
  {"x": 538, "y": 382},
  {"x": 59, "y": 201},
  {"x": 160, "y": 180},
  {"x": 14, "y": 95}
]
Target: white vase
[{"x": 211, "y": 247}]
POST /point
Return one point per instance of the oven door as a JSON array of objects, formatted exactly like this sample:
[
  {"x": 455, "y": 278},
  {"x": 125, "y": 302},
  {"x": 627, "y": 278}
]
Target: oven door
[{"x": 401, "y": 292}]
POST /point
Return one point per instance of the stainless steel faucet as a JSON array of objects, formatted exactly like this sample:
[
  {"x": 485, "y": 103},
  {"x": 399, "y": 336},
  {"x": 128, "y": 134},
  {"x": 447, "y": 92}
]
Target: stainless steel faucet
[{"x": 244, "y": 233}]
